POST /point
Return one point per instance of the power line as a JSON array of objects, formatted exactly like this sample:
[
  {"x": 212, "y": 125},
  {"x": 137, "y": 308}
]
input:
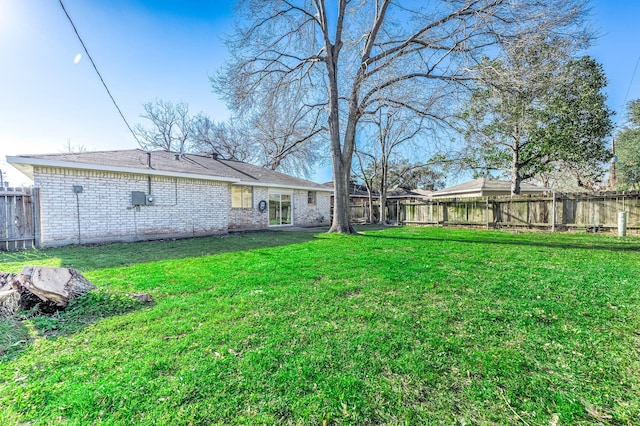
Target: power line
[
  {"x": 626, "y": 96},
  {"x": 98, "y": 72}
]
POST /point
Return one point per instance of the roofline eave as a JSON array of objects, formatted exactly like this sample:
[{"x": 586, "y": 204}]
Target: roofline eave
[
  {"x": 84, "y": 166},
  {"x": 277, "y": 185}
]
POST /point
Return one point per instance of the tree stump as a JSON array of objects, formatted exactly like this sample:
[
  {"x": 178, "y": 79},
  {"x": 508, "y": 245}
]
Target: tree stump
[
  {"x": 50, "y": 288},
  {"x": 56, "y": 285}
]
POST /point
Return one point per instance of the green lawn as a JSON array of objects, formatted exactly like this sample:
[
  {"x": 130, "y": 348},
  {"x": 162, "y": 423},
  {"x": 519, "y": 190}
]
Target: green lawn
[{"x": 396, "y": 326}]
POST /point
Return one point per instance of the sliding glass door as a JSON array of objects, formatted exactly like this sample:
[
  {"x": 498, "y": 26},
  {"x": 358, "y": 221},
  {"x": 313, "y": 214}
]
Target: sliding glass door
[{"x": 280, "y": 209}]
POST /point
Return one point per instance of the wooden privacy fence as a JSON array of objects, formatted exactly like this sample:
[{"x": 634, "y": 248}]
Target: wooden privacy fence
[
  {"x": 19, "y": 218},
  {"x": 562, "y": 212},
  {"x": 359, "y": 210}
]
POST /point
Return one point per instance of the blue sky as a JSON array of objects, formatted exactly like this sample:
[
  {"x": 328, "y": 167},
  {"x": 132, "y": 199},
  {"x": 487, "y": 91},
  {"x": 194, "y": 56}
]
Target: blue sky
[{"x": 167, "y": 49}]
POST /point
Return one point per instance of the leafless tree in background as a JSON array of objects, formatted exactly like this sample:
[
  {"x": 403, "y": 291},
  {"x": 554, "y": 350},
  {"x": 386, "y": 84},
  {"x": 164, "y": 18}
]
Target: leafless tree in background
[
  {"x": 367, "y": 170},
  {"x": 68, "y": 148},
  {"x": 282, "y": 134},
  {"x": 170, "y": 126},
  {"x": 392, "y": 127},
  {"x": 287, "y": 132},
  {"x": 228, "y": 140}
]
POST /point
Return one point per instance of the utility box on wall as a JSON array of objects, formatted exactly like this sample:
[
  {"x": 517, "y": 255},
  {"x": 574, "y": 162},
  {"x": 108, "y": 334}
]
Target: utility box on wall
[{"x": 138, "y": 198}]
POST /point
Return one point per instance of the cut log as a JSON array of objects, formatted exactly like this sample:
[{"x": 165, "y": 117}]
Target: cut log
[
  {"x": 55, "y": 285},
  {"x": 9, "y": 302},
  {"x": 5, "y": 279},
  {"x": 9, "y": 297},
  {"x": 50, "y": 289}
]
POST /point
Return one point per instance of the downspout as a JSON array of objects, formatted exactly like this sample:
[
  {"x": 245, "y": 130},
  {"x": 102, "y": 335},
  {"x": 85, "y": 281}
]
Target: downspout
[
  {"x": 149, "y": 176},
  {"x": 78, "y": 213}
]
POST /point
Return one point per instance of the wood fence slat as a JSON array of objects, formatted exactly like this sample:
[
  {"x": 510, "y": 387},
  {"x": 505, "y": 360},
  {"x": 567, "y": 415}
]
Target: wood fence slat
[
  {"x": 17, "y": 219},
  {"x": 3, "y": 222},
  {"x": 10, "y": 223},
  {"x": 559, "y": 212}
]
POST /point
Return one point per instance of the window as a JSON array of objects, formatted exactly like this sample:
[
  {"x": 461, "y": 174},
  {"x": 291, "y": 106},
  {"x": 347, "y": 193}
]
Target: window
[
  {"x": 241, "y": 197},
  {"x": 311, "y": 197}
]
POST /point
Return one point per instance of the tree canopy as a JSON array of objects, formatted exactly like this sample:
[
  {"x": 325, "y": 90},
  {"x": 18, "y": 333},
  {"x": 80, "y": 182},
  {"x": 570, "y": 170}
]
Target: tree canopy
[
  {"x": 538, "y": 110},
  {"x": 628, "y": 150}
]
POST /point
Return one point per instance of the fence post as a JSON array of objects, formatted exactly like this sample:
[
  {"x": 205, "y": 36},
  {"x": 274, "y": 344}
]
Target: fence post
[
  {"x": 4, "y": 234},
  {"x": 553, "y": 213},
  {"x": 35, "y": 203},
  {"x": 622, "y": 224},
  {"x": 10, "y": 218},
  {"x": 595, "y": 215},
  {"x": 487, "y": 211}
]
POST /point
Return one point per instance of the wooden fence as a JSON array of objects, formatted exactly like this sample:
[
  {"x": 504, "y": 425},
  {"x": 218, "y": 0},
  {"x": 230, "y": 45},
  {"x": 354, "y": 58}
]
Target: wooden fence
[
  {"x": 359, "y": 210},
  {"x": 19, "y": 218},
  {"x": 562, "y": 212}
]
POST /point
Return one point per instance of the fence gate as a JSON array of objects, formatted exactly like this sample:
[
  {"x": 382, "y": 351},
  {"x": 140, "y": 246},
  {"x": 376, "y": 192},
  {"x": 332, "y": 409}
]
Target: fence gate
[{"x": 19, "y": 218}]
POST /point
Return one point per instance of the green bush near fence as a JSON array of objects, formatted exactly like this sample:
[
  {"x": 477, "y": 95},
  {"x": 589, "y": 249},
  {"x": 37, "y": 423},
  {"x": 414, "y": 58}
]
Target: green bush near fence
[{"x": 395, "y": 326}]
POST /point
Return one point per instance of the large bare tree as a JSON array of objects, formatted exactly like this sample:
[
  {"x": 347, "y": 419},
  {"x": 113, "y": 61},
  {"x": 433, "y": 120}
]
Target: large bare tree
[{"x": 348, "y": 52}]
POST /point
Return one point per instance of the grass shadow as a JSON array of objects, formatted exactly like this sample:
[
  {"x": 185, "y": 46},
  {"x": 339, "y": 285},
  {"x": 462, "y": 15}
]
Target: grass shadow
[
  {"x": 14, "y": 337},
  {"x": 510, "y": 239},
  {"x": 18, "y": 333},
  {"x": 92, "y": 257}
]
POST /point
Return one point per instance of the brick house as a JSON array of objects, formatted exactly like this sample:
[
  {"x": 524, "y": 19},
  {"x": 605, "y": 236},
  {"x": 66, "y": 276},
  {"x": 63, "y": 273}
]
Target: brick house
[{"x": 128, "y": 195}]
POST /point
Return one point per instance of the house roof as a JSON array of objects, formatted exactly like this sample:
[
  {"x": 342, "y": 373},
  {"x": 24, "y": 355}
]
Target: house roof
[
  {"x": 357, "y": 190},
  {"x": 482, "y": 187},
  {"x": 165, "y": 163},
  {"x": 409, "y": 193}
]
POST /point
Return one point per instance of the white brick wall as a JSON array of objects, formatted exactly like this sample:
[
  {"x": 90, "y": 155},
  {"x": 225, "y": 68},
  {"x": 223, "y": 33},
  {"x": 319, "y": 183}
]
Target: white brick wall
[
  {"x": 305, "y": 214},
  {"x": 250, "y": 218},
  {"x": 184, "y": 207}
]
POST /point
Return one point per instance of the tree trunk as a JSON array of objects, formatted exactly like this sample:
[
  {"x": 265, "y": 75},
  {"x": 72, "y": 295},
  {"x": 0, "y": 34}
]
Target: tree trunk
[
  {"x": 340, "y": 223},
  {"x": 340, "y": 153},
  {"x": 383, "y": 192},
  {"x": 370, "y": 196},
  {"x": 515, "y": 172}
]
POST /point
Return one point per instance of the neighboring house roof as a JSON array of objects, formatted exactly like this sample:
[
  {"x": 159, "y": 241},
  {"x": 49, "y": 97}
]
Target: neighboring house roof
[
  {"x": 165, "y": 163},
  {"x": 401, "y": 193},
  {"x": 357, "y": 190},
  {"x": 484, "y": 187}
]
